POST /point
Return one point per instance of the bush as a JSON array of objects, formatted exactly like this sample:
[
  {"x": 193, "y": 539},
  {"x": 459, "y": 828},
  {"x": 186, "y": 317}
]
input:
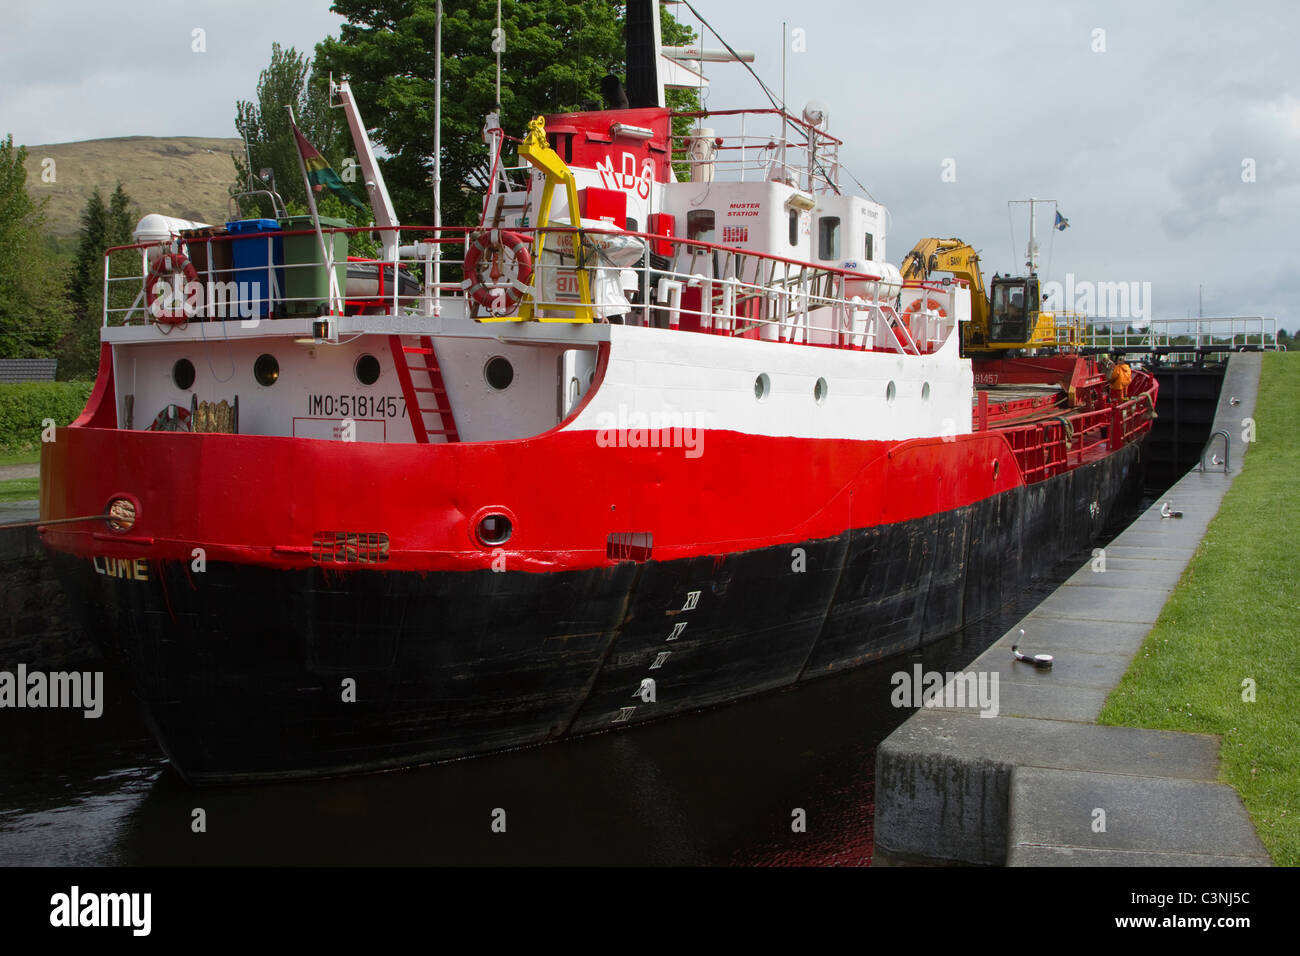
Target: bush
[{"x": 24, "y": 407}]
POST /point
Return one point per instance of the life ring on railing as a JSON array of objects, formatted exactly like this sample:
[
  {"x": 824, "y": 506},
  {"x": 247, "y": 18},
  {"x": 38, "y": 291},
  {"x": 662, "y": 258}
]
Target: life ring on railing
[
  {"x": 164, "y": 268},
  {"x": 173, "y": 418},
  {"x": 931, "y": 305},
  {"x": 497, "y": 298}
]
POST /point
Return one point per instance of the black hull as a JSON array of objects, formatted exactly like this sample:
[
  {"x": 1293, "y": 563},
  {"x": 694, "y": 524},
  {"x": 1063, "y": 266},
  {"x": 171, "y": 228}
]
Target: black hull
[{"x": 242, "y": 669}]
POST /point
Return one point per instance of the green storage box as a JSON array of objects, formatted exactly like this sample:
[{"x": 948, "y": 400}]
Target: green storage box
[{"x": 306, "y": 280}]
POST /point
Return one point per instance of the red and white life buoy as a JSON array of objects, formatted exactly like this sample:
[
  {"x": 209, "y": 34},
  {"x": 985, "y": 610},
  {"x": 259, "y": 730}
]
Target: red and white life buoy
[
  {"x": 173, "y": 418},
  {"x": 931, "y": 305},
  {"x": 164, "y": 269},
  {"x": 497, "y": 298}
]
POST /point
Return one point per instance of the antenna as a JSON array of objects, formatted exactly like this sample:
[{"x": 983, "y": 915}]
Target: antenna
[
  {"x": 784, "y": 125},
  {"x": 498, "y": 46}
]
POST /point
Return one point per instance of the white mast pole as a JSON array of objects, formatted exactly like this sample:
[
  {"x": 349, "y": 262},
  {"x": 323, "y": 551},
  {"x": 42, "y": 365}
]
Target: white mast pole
[
  {"x": 1033, "y": 249},
  {"x": 437, "y": 163},
  {"x": 785, "y": 126}
]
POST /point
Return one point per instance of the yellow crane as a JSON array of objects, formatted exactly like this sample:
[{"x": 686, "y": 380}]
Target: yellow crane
[{"x": 1007, "y": 317}]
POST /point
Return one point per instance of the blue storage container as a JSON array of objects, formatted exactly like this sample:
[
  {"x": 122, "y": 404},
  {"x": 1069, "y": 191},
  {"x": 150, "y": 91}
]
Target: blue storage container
[{"x": 258, "y": 263}]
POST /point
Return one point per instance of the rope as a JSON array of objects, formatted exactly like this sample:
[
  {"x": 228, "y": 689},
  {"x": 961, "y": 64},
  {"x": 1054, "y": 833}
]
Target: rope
[{"x": 39, "y": 523}]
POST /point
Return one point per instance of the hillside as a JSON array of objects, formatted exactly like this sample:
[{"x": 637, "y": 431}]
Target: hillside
[{"x": 185, "y": 176}]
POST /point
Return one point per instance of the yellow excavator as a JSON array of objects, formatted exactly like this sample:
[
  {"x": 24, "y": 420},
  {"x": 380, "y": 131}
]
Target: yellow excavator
[{"x": 1007, "y": 319}]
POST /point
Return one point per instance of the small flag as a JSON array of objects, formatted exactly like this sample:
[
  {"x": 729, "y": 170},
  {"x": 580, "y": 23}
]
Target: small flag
[
  {"x": 1061, "y": 222},
  {"x": 321, "y": 175}
]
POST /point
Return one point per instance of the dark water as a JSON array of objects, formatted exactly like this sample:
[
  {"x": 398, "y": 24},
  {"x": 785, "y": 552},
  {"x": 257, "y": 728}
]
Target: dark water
[{"x": 719, "y": 787}]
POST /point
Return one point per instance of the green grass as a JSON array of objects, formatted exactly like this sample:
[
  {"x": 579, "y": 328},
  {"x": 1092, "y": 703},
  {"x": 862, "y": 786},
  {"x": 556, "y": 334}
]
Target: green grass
[
  {"x": 20, "y": 489},
  {"x": 32, "y": 457},
  {"x": 1235, "y": 616}
]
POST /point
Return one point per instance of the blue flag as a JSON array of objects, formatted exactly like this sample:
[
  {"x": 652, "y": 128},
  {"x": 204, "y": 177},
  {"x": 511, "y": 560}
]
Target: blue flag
[{"x": 1061, "y": 222}]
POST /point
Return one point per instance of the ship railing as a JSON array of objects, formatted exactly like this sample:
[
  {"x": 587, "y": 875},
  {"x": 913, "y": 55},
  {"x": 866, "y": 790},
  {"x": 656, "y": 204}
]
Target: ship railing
[
  {"x": 210, "y": 275},
  {"x": 1068, "y": 328},
  {"x": 674, "y": 283},
  {"x": 758, "y": 145},
  {"x": 1048, "y": 447},
  {"x": 697, "y": 286}
]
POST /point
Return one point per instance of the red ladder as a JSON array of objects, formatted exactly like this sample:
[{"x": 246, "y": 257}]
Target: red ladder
[{"x": 415, "y": 407}]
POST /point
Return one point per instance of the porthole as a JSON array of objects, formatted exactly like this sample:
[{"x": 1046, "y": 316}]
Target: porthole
[
  {"x": 499, "y": 373},
  {"x": 762, "y": 386},
  {"x": 183, "y": 374},
  {"x": 266, "y": 370},
  {"x": 891, "y": 392},
  {"x": 367, "y": 369},
  {"x": 494, "y": 529},
  {"x": 121, "y": 514},
  {"x": 820, "y": 390},
  {"x": 925, "y": 392}
]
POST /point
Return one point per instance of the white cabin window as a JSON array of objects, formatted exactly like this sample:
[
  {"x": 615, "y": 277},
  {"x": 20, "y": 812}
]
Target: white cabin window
[
  {"x": 868, "y": 249},
  {"x": 828, "y": 237},
  {"x": 794, "y": 227}
]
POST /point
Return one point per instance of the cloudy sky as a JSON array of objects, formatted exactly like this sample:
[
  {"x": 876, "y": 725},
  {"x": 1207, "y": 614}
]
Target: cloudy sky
[{"x": 1148, "y": 133}]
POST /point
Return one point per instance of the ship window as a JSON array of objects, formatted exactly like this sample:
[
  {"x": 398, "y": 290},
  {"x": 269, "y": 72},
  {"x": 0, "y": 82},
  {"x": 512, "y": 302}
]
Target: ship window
[
  {"x": 266, "y": 370},
  {"x": 183, "y": 374},
  {"x": 632, "y": 225},
  {"x": 367, "y": 370},
  {"x": 869, "y": 245},
  {"x": 762, "y": 387},
  {"x": 699, "y": 225},
  {"x": 820, "y": 391},
  {"x": 891, "y": 392},
  {"x": 794, "y": 227},
  {"x": 494, "y": 529},
  {"x": 499, "y": 373},
  {"x": 925, "y": 392},
  {"x": 828, "y": 237}
]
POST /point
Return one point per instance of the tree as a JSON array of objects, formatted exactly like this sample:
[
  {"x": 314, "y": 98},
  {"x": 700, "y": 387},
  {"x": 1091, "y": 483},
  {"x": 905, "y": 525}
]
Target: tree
[
  {"x": 557, "y": 52},
  {"x": 103, "y": 225},
  {"x": 33, "y": 301},
  {"x": 264, "y": 124}
]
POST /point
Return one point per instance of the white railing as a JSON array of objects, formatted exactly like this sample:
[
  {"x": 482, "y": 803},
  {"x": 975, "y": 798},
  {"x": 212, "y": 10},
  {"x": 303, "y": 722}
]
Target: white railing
[
  {"x": 699, "y": 287},
  {"x": 1228, "y": 334},
  {"x": 758, "y": 145}
]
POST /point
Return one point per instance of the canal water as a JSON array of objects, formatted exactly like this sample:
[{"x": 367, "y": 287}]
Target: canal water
[{"x": 727, "y": 786}]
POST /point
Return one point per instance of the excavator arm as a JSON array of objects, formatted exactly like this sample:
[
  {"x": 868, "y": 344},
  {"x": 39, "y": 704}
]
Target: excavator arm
[
  {"x": 945, "y": 255},
  {"x": 952, "y": 255}
]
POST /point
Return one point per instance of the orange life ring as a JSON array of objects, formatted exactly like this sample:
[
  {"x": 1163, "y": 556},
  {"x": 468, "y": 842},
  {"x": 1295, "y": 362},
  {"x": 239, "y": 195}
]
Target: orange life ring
[
  {"x": 931, "y": 305},
  {"x": 497, "y": 299},
  {"x": 164, "y": 268}
]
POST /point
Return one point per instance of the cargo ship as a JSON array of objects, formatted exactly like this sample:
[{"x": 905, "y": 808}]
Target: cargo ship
[{"x": 666, "y": 431}]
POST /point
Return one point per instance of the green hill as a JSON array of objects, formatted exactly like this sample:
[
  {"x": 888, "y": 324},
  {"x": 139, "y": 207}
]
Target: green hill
[{"x": 185, "y": 176}]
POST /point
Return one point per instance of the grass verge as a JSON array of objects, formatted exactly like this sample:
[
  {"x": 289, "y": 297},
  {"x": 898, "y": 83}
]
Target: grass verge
[
  {"x": 31, "y": 457},
  {"x": 1231, "y": 629},
  {"x": 20, "y": 489}
]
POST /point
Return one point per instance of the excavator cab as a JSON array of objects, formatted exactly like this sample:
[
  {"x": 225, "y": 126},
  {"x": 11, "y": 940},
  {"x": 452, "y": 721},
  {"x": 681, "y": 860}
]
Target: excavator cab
[{"x": 1014, "y": 309}]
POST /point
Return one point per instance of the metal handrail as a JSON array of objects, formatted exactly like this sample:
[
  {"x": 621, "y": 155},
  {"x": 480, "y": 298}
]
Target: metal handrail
[{"x": 1227, "y": 447}]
